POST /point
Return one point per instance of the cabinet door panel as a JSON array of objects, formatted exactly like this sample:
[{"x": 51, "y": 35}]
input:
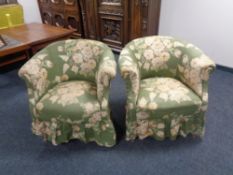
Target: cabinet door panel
[
  {"x": 112, "y": 22},
  {"x": 111, "y": 28}
]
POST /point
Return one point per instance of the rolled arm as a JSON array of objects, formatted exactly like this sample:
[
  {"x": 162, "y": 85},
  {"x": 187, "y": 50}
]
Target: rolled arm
[
  {"x": 35, "y": 75},
  {"x": 105, "y": 73},
  {"x": 130, "y": 72},
  {"x": 195, "y": 70}
]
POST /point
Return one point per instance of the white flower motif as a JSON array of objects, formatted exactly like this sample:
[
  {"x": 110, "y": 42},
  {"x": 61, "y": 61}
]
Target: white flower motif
[
  {"x": 177, "y": 53},
  {"x": 88, "y": 108},
  {"x": 42, "y": 56},
  {"x": 142, "y": 115},
  {"x": 74, "y": 69},
  {"x": 39, "y": 106},
  {"x": 131, "y": 47},
  {"x": 104, "y": 103},
  {"x": 142, "y": 102},
  {"x": 149, "y": 41},
  {"x": 64, "y": 57},
  {"x": 185, "y": 59},
  {"x": 77, "y": 57},
  {"x": 146, "y": 66},
  {"x": 152, "y": 106},
  {"x": 161, "y": 126},
  {"x": 49, "y": 64},
  {"x": 148, "y": 54},
  {"x": 152, "y": 95},
  {"x": 60, "y": 49},
  {"x": 160, "y": 134},
  {"x": 87, "y": 52},
  {"x": 96, "y": 50},
  {"x": 178, "y": 44},
  {"x": 65, "y": 68},
  {"x": 96, "y": 117},
  {"x": 167, "y": 43}
]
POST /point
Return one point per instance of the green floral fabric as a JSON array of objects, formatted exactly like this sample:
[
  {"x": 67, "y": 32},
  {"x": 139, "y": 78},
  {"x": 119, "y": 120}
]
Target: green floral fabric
[
  {"x": 68, "y": 86},
  {"x": 166, "y": 82}
]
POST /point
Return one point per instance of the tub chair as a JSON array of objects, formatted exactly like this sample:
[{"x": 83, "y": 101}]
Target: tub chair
[
  {"x": 167, "y": 87},
  {"x": 68, "y": 87}
]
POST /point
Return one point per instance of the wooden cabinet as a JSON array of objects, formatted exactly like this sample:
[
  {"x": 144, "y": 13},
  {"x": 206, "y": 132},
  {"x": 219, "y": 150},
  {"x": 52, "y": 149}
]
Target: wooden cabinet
[
  {"x": 62, "y": 13},
  {"x": 106, "y": 21},
  {"x": 144, "y": 18},
  {"x": 114, "y": 22}
]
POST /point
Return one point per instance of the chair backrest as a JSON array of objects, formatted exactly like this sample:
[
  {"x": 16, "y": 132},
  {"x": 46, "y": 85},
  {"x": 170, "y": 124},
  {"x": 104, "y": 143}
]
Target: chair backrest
[
  {"x": 71, "y": 60},
  {"x": 156, "y": 56}
]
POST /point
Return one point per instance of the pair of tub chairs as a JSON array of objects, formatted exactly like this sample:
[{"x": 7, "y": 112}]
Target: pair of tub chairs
[{"x": 166, "y": 82}]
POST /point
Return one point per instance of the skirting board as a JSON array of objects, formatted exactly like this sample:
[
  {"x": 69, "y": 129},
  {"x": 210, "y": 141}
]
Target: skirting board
[{"x": 224, "y": 68}]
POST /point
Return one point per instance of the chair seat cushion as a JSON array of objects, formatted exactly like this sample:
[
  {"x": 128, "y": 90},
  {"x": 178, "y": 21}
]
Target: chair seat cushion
[
  {"x": 71, "y": 100},
  {"x": 167, "y": 95}
]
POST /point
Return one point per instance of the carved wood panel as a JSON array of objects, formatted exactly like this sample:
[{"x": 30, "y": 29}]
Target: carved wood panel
[
  {"x": 58, "y": 20},
  {"x": 112, "y": 30},
  {"x": 62, "y": 13},
  {"x": 56, "y": 1},
  {"x": 47, "y": 17},
  {"x": 73, "y": 21},
  {"x": 112, "y": 15},
  {"x": 70, "y": 2}
]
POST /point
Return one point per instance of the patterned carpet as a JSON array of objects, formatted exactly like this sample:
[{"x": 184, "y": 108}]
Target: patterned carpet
[{"x": 23, "y": 153}]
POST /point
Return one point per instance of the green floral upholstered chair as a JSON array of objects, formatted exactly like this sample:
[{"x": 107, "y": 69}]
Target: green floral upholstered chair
[
  {"x": 68, "y": 86},
  {"x": 167, "y": 92}
]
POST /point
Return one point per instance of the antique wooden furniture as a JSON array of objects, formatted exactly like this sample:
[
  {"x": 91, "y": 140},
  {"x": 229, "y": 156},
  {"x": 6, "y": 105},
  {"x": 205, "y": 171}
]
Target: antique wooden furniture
[
  {"x": 114, "y": 22},
  {"x": 32, "y": 37},
  {"x": 2, "y": 42},
  {"x": 62, "y": 13},
  {"x": 13, "y": 51}
]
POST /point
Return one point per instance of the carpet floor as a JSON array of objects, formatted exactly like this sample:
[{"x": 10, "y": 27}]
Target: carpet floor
[{"x": 23, "y": 153}]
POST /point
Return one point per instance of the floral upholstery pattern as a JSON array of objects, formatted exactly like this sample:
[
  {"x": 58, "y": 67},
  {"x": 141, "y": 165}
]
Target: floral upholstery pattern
[
  {"x": 167, "y": 87},
  {"x": 68, "y": 86}
]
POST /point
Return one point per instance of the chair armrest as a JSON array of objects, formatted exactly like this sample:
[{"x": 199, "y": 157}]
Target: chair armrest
[
  {"x": 130, "y": 72},
  {"x": 35, "y": 74},
  {"x": 195, "y": 69},
  {"x": 105, "y": 73}
]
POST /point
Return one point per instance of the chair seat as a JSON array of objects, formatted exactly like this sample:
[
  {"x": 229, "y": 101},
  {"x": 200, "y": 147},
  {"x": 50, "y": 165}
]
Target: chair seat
[
  {"x": 69, "y": 100},
  {"x": 167, "y": 95}
]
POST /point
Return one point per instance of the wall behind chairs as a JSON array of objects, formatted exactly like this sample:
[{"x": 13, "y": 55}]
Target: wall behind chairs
[
  {"x": 206, "y": 23},
  {"x": 31, "y": 11}
]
